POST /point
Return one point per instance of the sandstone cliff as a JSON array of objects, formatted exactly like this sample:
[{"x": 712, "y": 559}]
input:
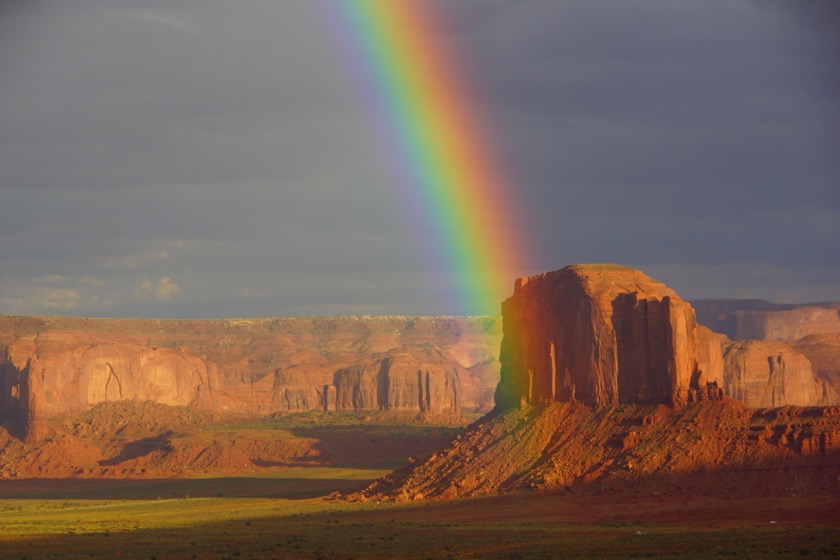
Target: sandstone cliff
[
  {"x": 426, "y": 380},
  {"x": 710, "y": 362},
  {"x": 765, "y": 373},
  {"x": 748, "y": 369},
  {"x": 823, "y": 351},
  {"x": 601, "y": 334},
  {"x": 50, "y": 366}
]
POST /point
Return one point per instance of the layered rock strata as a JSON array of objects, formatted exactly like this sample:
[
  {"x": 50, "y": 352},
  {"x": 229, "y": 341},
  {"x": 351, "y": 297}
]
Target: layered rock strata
[
  {"x": 437, "y": 365},
  {"x": 603, "y": 335},
  {"x": 766, "y": 373},
  {"x": 426, "y": 381},
  {"x": 823, "y": 351}
]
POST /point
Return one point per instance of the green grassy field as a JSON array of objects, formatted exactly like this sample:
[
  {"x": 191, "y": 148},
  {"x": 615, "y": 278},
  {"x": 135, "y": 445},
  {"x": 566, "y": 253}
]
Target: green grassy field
[{"x": 277, "y": 517}]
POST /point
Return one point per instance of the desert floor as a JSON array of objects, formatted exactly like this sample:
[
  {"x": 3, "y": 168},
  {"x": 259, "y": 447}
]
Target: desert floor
[{"x": 288, "y": 513}]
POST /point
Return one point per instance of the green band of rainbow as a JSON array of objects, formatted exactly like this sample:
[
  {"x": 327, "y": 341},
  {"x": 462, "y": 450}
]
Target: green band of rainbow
[{"x": 429, "y": 111}]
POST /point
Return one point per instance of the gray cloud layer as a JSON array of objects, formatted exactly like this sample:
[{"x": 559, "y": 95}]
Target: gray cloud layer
[{"x": 198, "y": 159}]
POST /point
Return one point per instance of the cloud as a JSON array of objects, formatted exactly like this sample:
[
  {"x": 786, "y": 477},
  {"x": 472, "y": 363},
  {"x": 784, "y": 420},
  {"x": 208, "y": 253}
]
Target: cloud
[
  {"x": 250, "y": 293},
  {"x": 43, "y": 298},
  {"x": 237, "y": 148},
  {"x": 136, "y": 261},
  {"x": 157, "y": 18},
  {"x": 771, "y": 281},
  {"x": 182, "y": 243},
  {"x": 84, "y": 280},
  {"x": 162, "y": 290},
  {"x": 90, "y": 280},
  {"x": 59, "y": 298}
]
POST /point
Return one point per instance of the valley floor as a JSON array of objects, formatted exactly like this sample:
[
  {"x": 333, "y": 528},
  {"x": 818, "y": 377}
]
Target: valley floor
[
  {"x": 290, "y": 508},
  {"x": 288, "y": 514}
]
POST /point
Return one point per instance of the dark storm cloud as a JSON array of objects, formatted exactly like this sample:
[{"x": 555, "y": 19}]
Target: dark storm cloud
[
  {"x": 202, "y": 158},
  {"x": 651, "y": 132}
]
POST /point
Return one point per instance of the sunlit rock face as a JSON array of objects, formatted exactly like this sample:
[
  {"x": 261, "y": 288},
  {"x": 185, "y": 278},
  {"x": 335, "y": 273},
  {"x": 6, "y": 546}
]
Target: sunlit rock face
[
  {"x": 766, "y": 373},
  {"x": 604, "y": 335},
  {"x": 426, "y": 380},
  {"x": 823, "y": 351},
  {"x": 55, "y": 365},
  {"x": 710, "y": 347}
]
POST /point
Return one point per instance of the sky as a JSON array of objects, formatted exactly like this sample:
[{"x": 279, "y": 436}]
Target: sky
[{"x": 205, "y": 158}]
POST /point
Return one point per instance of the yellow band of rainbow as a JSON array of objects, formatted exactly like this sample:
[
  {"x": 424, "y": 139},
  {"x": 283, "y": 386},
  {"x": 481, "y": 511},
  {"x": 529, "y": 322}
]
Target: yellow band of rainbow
[{"x": 429, "y": 109}]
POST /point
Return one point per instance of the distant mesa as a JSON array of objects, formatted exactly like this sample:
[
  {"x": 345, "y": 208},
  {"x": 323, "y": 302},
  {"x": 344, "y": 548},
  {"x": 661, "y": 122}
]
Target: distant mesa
[
  {"x": 51, "y": 366},
  {"x": 743, "y": 319}
]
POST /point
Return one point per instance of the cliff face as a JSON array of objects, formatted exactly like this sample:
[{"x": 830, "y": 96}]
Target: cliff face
[
  {"x": 427, "y": 381},
  {"x": 759, "y": 320},
  {"x": 786, "y": 332},
  {"x": 52, "y": 366},
  {"x": 64, "y": 371},
  {"x": 710, "y": 363},
  {"x": 765, "y": 373},
  {"x": 823, "y": 351},
  {"x": 601, "y": 334}
]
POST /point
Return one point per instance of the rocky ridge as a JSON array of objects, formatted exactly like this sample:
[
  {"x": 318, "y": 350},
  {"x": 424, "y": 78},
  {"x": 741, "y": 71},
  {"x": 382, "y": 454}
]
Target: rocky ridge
[{"x": 713, "y": 448}]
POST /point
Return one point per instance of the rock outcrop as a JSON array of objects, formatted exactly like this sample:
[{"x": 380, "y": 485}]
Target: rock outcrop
[
  {"x": 439, "y": 365},
  {"x": 744, "y": 319},
  {"x": 603, "y": 335},
  {"x": 710, "y": 448},
  {"x": 809, "y": 330},
  {"x": 823, "y": 351},
  {"x": 609, "y": 385},
  {"x": 710, "y": 362},
  {"x": 766, "y": 373},
  {"x": 427, "y": 380}
]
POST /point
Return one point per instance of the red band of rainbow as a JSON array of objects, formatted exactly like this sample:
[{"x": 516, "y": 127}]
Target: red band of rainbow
[{"x": 442, "y": 150}]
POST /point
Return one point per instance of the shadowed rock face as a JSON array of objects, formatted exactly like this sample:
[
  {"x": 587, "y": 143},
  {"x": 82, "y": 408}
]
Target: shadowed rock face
[
  {"x": 439, "y": 365},
  {"x": 601, "y": 334}
]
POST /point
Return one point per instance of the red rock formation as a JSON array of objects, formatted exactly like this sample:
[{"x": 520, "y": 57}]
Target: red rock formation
[
  {"x": 53, "y": 365},
  {"x": 710, "y": 355},
  {"x": 427, "y": 380},
  {"x": 712, "y": 448},
  {"x": 765, "y": 373},
  {"x": 823, "y": 351},
  {"x": 620, "y": 351},
  {"x": 601, "y": 334}
]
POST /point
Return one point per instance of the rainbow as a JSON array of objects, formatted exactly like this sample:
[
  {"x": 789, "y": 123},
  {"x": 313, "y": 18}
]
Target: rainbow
[{"x": 443, "y": 155}]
